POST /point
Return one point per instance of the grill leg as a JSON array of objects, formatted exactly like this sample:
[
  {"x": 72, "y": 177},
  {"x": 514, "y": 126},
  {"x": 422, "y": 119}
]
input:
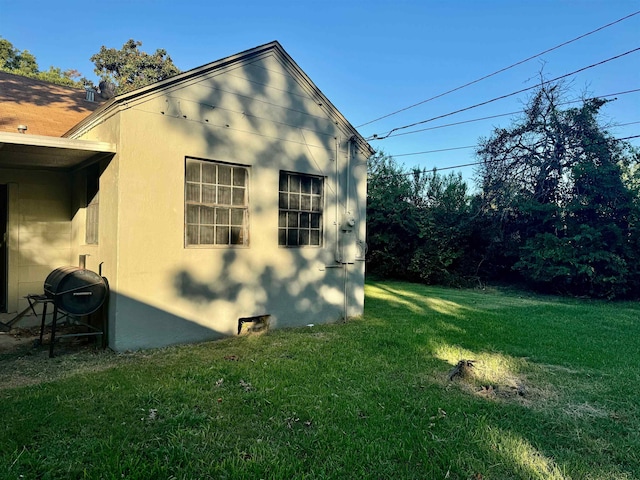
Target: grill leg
[
  {"x": 44, "y": 316},
  {"x": 53, "y": 330}
]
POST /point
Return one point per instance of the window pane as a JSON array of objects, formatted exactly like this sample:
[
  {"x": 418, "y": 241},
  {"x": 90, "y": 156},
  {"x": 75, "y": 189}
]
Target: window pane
[
  {"x": 224, "y": 175},
  {"x": 294, "y": 201},
  {"x": 193, "y": 171},
  {"x": 208, "y": 194},
  {"x": 222, "y": 235},
  {"x": 292, "y": 237},
  {"x": 292, "y": 218},
  {"x": 192, "y": 235},
  {"x": 304, "y": 237},
  {"x": 315, "y": 237},
  {"x": 193, "y": 192},
  {"x": 193, "y": 214},
  {"x": 305, "y": 185},
  {"x": 316, "y": 186},
  {"x": 238, "y": 196},
  {"x": 208, "y": 172},
  {"x": 315, "y": 220},
  {"x": 304, "y": 220},
  {"x": 294, "y": 183},
  {"x": 237, "y": 216},
  {"x": 206, "y": 215},
  {"x": 305, "y": 203},
  {"x": 283, "y": 201},
  {"x": 224, "y": 195},
  {"x": 222, "y": 216},
  {"x": 284, "y": 182},
  {"x": 315, "y": 204},
  {"x": 236, "y": 236},
  {"x": 239, "y": 177},
  {"x": 282, "y": 236},
  {"x": 206, "y": 235},
  {"x": 282, "y": 219}
]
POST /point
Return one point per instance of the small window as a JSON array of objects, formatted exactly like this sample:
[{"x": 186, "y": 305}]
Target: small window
[
  {"x": 216, "y": 204},
  {"x": 300, "y": 210},
  {"x": 93, "y": 204}
]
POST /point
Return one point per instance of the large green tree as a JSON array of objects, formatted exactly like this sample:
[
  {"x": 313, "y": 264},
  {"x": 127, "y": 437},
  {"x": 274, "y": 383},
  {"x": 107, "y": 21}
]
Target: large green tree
[
  {"x": 130, "y": 68},
  {"x": 419, "y": 224},
  {"x": 552, "y": 186}
]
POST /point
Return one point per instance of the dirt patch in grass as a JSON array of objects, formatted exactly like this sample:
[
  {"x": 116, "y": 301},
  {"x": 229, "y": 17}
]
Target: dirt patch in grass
[
  {"x": 23, "y": 361},
  {"x": 479, "y": 379}
]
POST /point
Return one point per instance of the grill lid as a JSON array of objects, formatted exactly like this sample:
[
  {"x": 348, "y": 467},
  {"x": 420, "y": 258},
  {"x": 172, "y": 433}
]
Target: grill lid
[{"x": 75, "y": 290}]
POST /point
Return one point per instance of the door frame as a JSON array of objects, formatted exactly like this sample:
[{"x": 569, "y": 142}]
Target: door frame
[{"x": 4, "y": 248}]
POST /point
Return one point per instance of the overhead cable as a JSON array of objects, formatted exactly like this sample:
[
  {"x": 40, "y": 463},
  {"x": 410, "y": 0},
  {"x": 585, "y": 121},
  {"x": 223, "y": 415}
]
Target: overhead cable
[
  {"x": 502, "y": 97},
  {"x": 425, "y": 170},
  {"x": 499, "y": 115},
  {"x": 501, "y": 70}
]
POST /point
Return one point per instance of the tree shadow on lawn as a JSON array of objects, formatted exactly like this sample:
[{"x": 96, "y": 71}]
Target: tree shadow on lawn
[{"x": 532, "y": 416}]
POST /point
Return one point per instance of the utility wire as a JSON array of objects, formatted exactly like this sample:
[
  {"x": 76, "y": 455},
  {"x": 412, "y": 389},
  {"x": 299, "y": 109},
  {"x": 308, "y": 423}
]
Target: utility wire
[
  {"x": 502, "y": 97},
  {"x": 475, "y": 146},
  {"x": 434, "y": 151},
  {"x": 501, "y": 115},
  {"x": 425, "y": 170},
  {"x": 501, "y": 70}
]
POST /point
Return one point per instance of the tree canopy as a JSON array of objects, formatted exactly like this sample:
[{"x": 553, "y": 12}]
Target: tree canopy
[
  {"x": 23, "y": 62},
  {"x": 557, "y": 207},
  {"x": 553, "y": 188},
  {"x": 130, "y": 68}
]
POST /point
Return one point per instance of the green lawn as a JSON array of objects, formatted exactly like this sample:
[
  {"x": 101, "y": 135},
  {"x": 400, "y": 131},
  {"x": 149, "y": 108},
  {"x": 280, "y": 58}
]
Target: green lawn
[{"x": 553, "y": 394}]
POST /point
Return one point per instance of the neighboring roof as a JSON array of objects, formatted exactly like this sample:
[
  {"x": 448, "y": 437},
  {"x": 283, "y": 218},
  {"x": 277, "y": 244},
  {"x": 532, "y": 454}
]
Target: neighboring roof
[
  {"x": 273, "y": 47},
  {"x": 37, "y": 151},
  {"x": 45, "y": 108}
]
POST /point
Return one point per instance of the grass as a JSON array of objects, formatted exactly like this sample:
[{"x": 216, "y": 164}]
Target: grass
[{"x": 553, "y": 395}]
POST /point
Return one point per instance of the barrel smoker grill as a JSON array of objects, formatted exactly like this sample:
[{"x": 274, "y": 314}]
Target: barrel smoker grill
[{"x": 76, "y": 292}]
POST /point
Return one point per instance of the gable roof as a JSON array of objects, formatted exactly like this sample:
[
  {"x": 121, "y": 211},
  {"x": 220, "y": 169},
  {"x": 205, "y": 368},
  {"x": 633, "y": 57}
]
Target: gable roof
[
  {"x": 45, "y": 108},
  {"x": 121, "y": 101}
]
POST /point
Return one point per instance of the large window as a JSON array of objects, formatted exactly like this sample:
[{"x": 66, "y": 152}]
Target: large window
[
  {"x": 300, "y": 210},
  {"x": 216, "y": 203}
]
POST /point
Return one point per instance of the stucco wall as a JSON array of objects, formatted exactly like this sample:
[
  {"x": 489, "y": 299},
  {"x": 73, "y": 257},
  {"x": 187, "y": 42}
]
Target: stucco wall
[
  {"x": 39, "y": 230},
  {"x": 102, "y": 256},
  {"x": 257, "y": 114}
]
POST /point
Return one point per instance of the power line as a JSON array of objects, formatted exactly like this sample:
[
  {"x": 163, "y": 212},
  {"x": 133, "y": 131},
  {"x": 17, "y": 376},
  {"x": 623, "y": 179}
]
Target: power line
[
  {"x": 434, "y": 151},
  {"x": 475, "y": 146},
  {"x": 497, "y": 116},
  {"x": 425, "y": 170},
  {"x": 501, "y": 70},
  {"x": 502, "y": 97}
]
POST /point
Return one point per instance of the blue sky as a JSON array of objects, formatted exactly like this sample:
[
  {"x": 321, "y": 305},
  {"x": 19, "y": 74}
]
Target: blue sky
[{"x": 370, "y": 58}]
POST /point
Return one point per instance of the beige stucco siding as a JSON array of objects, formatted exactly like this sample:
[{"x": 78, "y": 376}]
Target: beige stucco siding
[
  {"x": 258, "y": 115},
  {"x": 39, "y": 230},
  {"x": 103, "y": 256}
]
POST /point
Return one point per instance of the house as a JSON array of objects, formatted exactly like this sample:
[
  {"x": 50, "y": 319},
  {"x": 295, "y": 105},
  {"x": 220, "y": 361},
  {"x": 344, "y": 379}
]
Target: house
[{"x": 230, "y": 193}]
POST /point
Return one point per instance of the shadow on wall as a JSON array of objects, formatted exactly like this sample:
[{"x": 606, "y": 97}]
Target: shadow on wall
[
  {"x": 289, "y": 131},
  {"x": 140, "y": 325},
  {"x": 302, "y": 294}
]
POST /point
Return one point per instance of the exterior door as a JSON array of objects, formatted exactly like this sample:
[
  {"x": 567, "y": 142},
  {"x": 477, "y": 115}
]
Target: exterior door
[{"x": 4, "y": 215}]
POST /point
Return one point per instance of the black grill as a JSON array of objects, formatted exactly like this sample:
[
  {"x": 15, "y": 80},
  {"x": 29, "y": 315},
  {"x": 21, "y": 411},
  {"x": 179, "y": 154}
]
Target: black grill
[{"x": 75, "y": 290}]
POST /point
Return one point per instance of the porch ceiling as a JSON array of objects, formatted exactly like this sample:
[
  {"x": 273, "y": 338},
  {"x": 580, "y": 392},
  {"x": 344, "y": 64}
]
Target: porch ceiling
[{"x": 35, "y": 151}]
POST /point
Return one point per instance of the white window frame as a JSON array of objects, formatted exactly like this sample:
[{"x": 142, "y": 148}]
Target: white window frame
[
  {"x": 300, "y": 210},
  {"x": 216, "y": 204}
]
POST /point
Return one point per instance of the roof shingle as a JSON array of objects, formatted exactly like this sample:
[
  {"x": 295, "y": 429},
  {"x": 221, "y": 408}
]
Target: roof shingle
[{"x": 45, "y": 108}]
